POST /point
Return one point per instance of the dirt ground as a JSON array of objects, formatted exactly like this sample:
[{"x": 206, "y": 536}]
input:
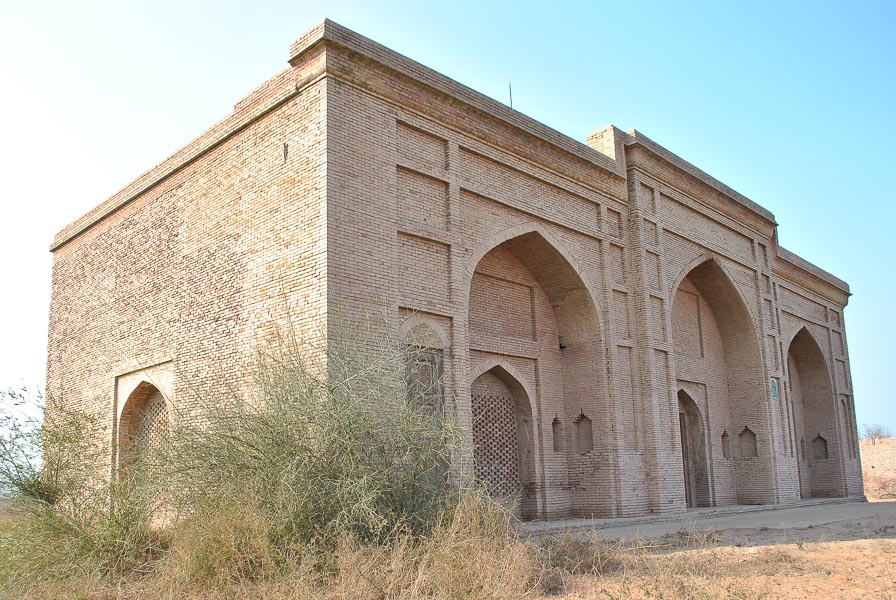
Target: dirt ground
[{"x": 839, "y": 551}]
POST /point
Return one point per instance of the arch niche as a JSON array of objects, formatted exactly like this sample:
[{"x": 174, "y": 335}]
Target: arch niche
[
  {"x": 528, "y": 307},
  {"x": 717, "y": 350},
  {"x": 143, "y": 425},
  {"x": 815, "y": 419},
  {"x": 693, "y": 452}
]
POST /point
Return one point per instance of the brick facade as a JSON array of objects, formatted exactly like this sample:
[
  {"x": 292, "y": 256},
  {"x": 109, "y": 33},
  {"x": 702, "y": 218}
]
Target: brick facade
[{"x": 592, "y": 305}]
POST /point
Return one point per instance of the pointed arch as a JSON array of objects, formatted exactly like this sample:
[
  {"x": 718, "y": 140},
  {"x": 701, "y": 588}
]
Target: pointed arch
[
  {"x": 143, "y": 425},
  {"x": 507, "y": 373},
  {"x": 692, "y": 436},
  {"x": 416, "y": 322},
  {"x": 527, "y": 297},
  {"x": 425, "y": 345},
  {"x": 551, "y": 242},
  {"x": 707, "y": 260},
  {"x": 802, "y": 330},
  {"x": 504, "y": 457},
  {"x": 816, "y": 417},
  {"x": 717, "y": 344}
]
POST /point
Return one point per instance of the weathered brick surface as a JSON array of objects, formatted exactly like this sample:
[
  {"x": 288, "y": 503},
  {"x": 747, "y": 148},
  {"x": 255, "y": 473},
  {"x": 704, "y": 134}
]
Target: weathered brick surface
[
  {"x": 879, "y": 466},
  {"x": 596, "y": 300}
]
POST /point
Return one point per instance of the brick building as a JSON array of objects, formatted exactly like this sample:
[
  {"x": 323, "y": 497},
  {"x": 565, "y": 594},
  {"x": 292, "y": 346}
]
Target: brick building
[{"x": 619, "y": 332}]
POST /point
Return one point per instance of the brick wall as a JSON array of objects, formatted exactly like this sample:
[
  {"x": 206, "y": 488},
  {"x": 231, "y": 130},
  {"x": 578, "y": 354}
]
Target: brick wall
[
  {"x": 187, "y": 275},
  {"x": 879, "y": 466},
  {"x": 590, "y": 285}
]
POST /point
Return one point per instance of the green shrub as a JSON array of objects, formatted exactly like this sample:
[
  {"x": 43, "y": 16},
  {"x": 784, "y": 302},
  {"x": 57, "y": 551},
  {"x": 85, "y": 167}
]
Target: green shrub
[
  {"x": 64, "y": 517},
  {"x": 318, "y": 476},
  {"x": 324, "y": 446}
]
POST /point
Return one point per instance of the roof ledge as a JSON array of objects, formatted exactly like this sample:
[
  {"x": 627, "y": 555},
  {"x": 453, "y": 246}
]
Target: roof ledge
[
  {"x": 788, "y": 256},
  {"x": 636, "y": 138}
]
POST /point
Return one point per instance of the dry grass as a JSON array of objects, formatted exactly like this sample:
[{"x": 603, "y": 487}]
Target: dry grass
[
  {"x": 846, "y": 569},
  {"x": 475, "y": 553}
]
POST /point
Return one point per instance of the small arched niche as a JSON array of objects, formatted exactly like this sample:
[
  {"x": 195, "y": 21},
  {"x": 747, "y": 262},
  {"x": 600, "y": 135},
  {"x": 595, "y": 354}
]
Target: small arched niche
[
  {"x": 749, "y": 447},
  {"x": 584, "y": 434},
  {"x": 557, "y": 434},
  {"x": 820, "y": 448},
  {"x": 726, "y": 445}
]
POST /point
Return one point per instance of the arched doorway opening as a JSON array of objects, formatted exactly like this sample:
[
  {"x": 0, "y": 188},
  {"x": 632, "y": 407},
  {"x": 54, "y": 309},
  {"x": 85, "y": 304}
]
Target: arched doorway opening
[
  {"x": 142, "y": 428},
  {"x": 693, "y": 452},
  {"x": 529, "y": 307},
  {"x": 503, "y": 439},
  {"x": 815, "y": 419},
  {"x": 717, "y": 351}
]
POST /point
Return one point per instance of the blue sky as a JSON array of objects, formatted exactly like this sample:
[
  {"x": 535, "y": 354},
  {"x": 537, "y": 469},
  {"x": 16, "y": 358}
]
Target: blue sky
[{"x": 790, "y": 103}]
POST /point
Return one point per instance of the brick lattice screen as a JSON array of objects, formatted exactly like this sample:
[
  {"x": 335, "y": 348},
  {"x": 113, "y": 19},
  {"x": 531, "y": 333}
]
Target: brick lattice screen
[{"x": 497, "y": 443}]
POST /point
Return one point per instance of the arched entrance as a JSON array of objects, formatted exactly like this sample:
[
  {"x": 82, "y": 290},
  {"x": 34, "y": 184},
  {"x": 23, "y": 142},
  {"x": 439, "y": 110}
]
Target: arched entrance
[
  {"x": 693, "y": 452},
  {"x": 503, "y": 440},
  {"x": 143, "y": 426},
  {"x": 717, "y": 352},
  {"x": 529, "y": 307},
  {"x": 815, "y": 420}
]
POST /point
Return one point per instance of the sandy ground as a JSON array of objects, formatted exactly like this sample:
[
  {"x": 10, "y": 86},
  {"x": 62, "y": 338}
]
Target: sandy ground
[{"x": 817, "y": 552}]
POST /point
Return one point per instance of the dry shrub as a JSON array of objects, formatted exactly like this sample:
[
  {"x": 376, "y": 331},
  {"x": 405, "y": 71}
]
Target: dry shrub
[
  {"x": 319, "y": 451},
  {"x": 322, "y": 481},
  {"x": 693, "y": 537},
  {"x": 472, "y": 553},
  {"x": 584, "y": 554},
  {"x": 65, "y": 518},
  {"x": 881, "y": 488},
  {"x": 225, "y": 543},
  {"x": 702, "y": 573}
]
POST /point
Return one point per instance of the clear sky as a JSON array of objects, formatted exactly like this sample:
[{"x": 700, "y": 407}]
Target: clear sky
[{"x": 790, "y": 103}]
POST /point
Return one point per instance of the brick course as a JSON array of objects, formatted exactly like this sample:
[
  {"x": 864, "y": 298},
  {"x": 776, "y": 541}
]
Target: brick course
[{"x": 574, "y": 291}]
